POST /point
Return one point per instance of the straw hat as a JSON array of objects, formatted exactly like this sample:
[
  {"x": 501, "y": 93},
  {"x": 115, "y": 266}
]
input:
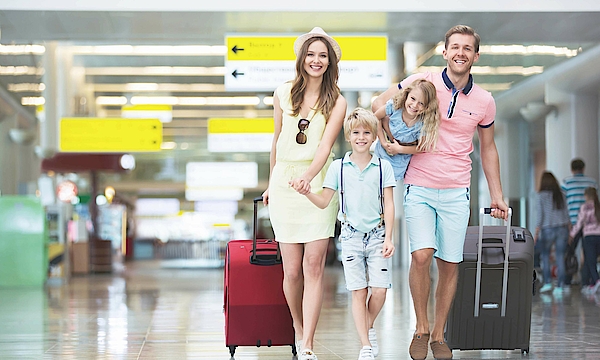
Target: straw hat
[{"x": 317, "y": 32}]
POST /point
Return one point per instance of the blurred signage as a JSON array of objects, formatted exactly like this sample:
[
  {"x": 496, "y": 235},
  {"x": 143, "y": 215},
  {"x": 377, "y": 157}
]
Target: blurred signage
[
  {"x": 214, "y": 194},
  {"x": 261, "y": 63},
  {"x": 156, "y": 207},
  {"x": 110, "y": 135},
  {"x": 240, "y": 134},
  {"x": 221, "y": 174},
  {"x": 164, "y": 113}
]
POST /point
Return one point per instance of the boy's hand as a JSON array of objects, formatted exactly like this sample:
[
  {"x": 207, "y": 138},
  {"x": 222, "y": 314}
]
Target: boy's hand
[
  {"x": 301, "y": 185},
  {"x": 388, "y": 248}
]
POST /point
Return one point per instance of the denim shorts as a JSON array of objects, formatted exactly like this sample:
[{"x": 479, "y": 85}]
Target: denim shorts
[
  {"x": 362, "y": 256},
  {"x": 437, "y": 219}
]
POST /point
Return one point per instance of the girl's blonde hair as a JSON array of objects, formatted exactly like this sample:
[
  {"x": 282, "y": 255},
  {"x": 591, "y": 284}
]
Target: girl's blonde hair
[
  {"x": 360, "y": 117},
  {"x": 330, "y": 91},
  {"x": 430, "y": 115}
]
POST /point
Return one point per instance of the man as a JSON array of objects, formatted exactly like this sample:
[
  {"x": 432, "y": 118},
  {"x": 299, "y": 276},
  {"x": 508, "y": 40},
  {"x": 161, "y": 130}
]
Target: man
[
  {"x": 574, "y": 187},
  {"x": 436, "y": 189}
]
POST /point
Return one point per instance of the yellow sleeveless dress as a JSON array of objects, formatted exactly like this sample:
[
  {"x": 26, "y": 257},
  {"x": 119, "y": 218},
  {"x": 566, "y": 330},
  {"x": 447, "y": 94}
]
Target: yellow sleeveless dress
[{"x": 293, "y": 217}]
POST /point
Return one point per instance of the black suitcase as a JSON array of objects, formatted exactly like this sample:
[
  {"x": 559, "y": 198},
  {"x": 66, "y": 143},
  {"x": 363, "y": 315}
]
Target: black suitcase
[{"x": 492, "y": 306}]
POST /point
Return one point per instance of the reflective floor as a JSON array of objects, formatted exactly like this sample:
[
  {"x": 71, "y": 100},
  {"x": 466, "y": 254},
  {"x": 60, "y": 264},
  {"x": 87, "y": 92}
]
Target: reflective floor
[{"x": 151, "y": 312}]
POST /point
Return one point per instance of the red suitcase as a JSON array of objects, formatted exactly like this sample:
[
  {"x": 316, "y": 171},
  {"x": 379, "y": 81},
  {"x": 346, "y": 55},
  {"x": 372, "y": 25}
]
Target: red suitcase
[{"x": 256, "y": 313}]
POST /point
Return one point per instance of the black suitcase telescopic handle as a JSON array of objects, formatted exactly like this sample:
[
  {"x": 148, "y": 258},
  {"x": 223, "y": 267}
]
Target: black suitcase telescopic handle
[
  {"x": 506, "y": 246},
  {"x": 262, "y": 259}
]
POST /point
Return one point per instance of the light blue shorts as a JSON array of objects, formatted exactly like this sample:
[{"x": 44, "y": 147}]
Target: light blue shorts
[
  {"x": 362, "y": 256},
  {"x": 437, "y": 219}
]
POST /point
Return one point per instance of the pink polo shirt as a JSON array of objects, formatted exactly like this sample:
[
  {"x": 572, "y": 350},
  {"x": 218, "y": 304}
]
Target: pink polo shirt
[{"x": 449, "y": 166}]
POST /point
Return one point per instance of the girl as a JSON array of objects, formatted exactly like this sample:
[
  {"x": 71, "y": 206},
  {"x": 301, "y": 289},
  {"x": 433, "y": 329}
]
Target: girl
[
  {"x": 413, "y": 120},
  {"x": 308, "y": 113},
  {"x": 589, "y": 220},
  {"x": 552, "y": 228}
]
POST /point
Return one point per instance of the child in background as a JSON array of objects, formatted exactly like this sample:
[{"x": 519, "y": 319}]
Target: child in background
[
  {"x": 589, "y": 220},
  {"x": 365, "y": 186},
  {"x": 412, "y": 125}
]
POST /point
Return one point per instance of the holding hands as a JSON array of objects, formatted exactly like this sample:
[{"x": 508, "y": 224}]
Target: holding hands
[{"x": 301, "y": 185}]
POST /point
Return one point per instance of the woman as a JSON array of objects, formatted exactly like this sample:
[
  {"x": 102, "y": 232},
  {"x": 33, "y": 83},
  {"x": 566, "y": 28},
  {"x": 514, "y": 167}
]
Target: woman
[
  {"x": 552, "y": 229},
  {"x": 308, "y": 113},
  {"x": 589, "y": 220}
]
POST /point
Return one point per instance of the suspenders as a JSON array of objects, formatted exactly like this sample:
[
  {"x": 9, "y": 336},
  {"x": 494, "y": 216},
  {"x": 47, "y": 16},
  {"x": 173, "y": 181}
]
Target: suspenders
[{"x": 343, "y": 206}]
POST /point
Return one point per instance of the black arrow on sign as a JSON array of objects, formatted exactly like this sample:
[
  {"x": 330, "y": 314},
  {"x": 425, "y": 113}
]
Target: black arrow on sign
[
  {"x": 235, "y": 73},
  {"x": 235, "y": 49}
]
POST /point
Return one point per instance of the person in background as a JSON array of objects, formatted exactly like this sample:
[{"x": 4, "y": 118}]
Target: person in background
[
  {"x": 574, "y": 187},
  {"x": 552, "y": 228},
  {"x": 588, "y": 220},
  {"x": 308, "y": 113},
  {"x": 436, "y": 185},
  {"x": 365, "y": 186}
]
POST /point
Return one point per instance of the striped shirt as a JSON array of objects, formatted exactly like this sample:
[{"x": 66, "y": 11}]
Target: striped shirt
[
  {"x": 547, "y": 215},
  {"x": 574, "y": 187}
]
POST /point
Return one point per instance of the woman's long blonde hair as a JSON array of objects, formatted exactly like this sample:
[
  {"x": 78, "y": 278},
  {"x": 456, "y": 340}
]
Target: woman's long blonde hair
[
  {"x": 430, "y": 115},
  {"x": 329, "y": 92}
]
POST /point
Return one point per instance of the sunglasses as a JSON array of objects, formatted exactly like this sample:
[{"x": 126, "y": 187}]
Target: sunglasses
[{"x": 301, "y": 136}]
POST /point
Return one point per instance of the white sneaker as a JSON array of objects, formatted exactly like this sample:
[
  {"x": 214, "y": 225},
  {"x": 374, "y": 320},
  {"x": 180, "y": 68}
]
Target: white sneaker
[
  {"x": 373, "y": 341},
  {"x": 366, "y": 353},
  {"x": 594, "y": 288},
  {"x": 307, "y": 354},
  {"x": 546, "y": 287},
  {"x": 557, "y": 291}
]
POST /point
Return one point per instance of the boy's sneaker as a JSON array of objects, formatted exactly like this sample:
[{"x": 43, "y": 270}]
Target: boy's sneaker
[
  {"x": 441, "y": 350},
  {"x": 547, "y": 287},
  {"x": 373, "y": 341},
  {"x": 594, "y": 288},
  {"x": 307, "y": 354},
  {"x": 419, "y": 346},
  {"x": 366, "y": 353}
]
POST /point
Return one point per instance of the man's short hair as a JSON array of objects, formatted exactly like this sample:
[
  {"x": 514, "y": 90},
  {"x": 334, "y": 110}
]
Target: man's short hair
[
  {"x": 577, "y": 165},
  {"x": 464, "y": 30}
]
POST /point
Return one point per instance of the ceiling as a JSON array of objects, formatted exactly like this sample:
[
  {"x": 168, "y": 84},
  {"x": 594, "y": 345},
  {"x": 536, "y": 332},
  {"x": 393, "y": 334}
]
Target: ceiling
[{"x": 164, "y": 172}]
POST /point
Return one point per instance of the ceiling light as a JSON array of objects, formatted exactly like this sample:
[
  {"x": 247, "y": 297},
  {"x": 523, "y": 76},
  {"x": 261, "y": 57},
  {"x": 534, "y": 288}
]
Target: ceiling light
[
  {"x": 170, "y": 87},
  {"x": 21, "y": 70},
  {"x": 22, "y": 49},
  {"x": 157, "y": 71},
  {"x": 152, "y": 50},
  {"x": 26, "y": 87},
  {"x": 168, "y": 145},
  {"x": 32, "y": 101},
  {"x": 111, "y": 100},
  {"x": 196, "y": 101},
  {"x": 268, "y": 100}
]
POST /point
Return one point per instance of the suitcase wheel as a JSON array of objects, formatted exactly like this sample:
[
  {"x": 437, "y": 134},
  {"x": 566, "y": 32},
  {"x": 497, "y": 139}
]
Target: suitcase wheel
[
  {"x": 525, "y": 351},
  {"x": 232, "y": 350}
]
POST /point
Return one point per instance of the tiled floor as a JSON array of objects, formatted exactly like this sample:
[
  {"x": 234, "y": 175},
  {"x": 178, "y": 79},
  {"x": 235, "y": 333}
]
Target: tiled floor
[{"x": 149, "y": 312}]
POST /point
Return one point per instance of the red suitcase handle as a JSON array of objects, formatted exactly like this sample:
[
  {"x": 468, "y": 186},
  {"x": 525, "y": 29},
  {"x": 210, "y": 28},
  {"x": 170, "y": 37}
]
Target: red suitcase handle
[{"x": 267, "y": 257}]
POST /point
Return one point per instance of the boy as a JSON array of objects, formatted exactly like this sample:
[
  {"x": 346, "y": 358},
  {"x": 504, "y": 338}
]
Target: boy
[{"x": 365, "y": 185}]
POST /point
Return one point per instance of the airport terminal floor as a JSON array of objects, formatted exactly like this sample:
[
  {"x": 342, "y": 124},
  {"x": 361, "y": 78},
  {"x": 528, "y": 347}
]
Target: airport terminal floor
[{"x": 147, "y": 311}]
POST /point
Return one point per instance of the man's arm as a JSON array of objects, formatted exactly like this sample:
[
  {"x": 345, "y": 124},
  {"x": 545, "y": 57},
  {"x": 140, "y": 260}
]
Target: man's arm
[
  {"x": 491, "y": 168},
  {"x": 380, "y": 101}
]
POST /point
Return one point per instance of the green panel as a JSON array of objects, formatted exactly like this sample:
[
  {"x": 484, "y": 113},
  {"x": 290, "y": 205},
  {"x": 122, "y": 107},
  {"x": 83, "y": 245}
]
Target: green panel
[{"x": 23, "y": 252}]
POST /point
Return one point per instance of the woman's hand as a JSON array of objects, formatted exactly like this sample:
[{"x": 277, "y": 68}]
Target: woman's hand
[
  {"x": 265, "y": 196},
  {"x": 301, "y": 185}
]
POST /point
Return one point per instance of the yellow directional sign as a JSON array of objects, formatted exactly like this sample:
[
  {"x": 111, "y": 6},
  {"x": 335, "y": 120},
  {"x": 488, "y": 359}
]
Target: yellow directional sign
[
  {"x": 282, "y": 47},
  {"x": 110, "y": 135}
]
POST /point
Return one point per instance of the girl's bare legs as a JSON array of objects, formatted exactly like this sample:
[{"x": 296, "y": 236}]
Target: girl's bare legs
[{"x": 314, "y": 266}]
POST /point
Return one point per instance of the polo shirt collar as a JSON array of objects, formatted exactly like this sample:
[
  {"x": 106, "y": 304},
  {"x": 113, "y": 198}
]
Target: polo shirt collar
[
  {"x": 374, "y": 159},
  {"x": 449, "y": 85}
]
